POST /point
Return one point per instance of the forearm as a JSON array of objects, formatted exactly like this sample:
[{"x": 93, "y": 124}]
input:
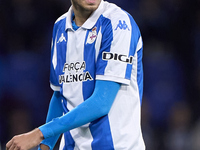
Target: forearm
[
  {"x": 55, "y": 107},
  {"x": 55, "y": 110},
  {"x": 93, "y": 108}
]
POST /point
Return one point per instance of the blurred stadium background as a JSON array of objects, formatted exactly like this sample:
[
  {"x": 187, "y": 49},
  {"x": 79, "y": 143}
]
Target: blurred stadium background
[{"x": 171, "y": 36}]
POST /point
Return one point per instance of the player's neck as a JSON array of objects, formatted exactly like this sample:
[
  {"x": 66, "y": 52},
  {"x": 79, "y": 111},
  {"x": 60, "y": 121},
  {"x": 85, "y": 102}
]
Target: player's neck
[{"x": 81, "y": 16}]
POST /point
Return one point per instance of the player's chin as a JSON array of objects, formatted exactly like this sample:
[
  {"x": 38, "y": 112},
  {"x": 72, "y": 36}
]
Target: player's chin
[{"x": 91, "y": 7}]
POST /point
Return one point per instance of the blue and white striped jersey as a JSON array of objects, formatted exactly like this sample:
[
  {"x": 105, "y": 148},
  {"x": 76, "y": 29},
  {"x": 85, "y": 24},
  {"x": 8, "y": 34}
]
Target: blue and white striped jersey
[{"x": 108, "y": 46}]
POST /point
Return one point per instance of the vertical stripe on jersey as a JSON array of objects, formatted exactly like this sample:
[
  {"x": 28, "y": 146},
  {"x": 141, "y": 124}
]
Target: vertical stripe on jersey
[
  {"x": 53, "y": 76},
  {"x": 98, "y": 44},
  {"x": 69, "y": 142},
  {"x": 61, "y": 57},
  {"x": 107, "y": 39},
  {"x": 133, "y": 45},
  {"x": 54, "y": 57},
  {"x": 89, "y": 58},
  {"x": 136, "y": 47},
  {"x": 140, "y": 74},
  {"x": 59, "y": 53},
  {"x": 102, "y": 139}
]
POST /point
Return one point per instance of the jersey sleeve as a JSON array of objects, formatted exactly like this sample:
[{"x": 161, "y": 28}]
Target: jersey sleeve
[
  {"x": 54, "y": 84},
  {"x": 102, "y": 99},
  {"x": 117, "y": 54}
]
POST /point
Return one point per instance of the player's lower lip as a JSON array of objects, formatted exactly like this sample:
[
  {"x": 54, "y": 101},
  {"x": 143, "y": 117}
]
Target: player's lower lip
[{"x": 90, "y": 1}]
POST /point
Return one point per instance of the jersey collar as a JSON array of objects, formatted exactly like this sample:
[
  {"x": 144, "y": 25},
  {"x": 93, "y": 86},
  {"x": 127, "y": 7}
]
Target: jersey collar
[{"x": 90, "y": 22}]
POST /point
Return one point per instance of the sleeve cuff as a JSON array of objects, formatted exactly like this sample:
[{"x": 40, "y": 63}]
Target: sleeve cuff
[
  {"x": 47, "y": 132},
  {"x": 54, "y": 88},
  {"x": 112, "y": 78}
]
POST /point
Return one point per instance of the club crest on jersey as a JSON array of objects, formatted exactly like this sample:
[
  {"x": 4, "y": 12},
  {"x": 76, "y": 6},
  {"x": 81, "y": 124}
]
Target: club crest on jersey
[
  {"x": 92, "y": 36},
  {"x": 62, "y": 38}
]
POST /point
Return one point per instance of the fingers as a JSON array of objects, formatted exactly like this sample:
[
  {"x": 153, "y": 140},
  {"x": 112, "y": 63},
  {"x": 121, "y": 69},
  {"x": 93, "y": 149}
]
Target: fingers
[
  {"x": 17, "y": 148},
  {"x": 8, "y": 145},
  {"x": 12, "y": 145}
]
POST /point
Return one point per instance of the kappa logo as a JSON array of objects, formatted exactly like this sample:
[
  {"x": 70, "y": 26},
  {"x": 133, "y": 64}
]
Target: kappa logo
[
  {"x": 92, "y": 36},
  {"x": 123, "y": 25},
  {"x": 62, "y": 38}
]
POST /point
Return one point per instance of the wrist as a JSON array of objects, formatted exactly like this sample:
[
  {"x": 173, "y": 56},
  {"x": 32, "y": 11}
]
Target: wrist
[
  {"x": 39, "y": 133},
  {"x": 43, "y": 147}
]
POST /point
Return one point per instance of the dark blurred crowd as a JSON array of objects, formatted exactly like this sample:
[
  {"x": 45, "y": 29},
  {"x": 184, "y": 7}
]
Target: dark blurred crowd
[{"x": 171, "y": 36}]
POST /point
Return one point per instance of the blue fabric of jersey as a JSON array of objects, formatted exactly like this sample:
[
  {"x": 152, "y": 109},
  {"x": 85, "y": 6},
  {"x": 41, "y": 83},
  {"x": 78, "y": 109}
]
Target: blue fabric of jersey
[
  {"x": 96, "y": 106},
  {"x": 134, "y": 41},
  {"x": 89, "y": 58},
  {"x": 62, "y": 47},
  {"x": 107, "y": 38},
  {"x": 55, "y": 110},
  {"x": 69, "y": 141},
  {"x": 103, "y": 141},
  {"x": 140, "y": 75}
]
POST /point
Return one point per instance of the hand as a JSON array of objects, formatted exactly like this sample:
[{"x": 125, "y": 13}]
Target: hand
[{"x": 25, "y": 141}]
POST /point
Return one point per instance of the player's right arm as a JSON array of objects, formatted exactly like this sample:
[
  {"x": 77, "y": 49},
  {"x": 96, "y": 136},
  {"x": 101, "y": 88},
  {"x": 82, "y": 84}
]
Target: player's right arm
[
  {"x": 55, "y": 107},
  {"x": 55, "y": 110}
]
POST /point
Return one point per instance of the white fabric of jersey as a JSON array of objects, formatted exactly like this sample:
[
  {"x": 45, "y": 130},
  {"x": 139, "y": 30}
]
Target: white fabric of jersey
[{"x": 108, "y": 46}]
